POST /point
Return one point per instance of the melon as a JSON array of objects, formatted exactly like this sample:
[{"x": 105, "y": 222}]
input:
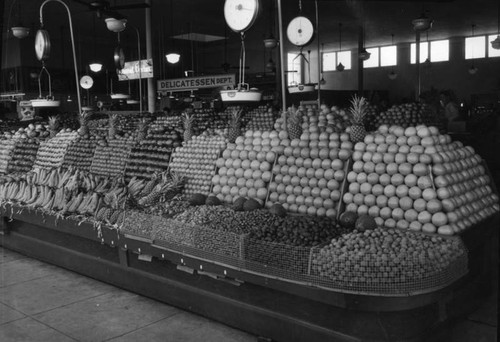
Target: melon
[
  {"x": 365, "y": 222},
  {"x": 197, "y": 199},
  {"x": 251, "y": 204},
  {"x": 278, "y": 210},
  {"x": 348, "y": 219},
  {"x": 213, "y": 200},
  {"x": 238, "y": 204}
]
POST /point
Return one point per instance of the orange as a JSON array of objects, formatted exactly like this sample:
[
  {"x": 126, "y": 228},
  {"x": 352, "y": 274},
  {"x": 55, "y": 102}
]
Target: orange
[
  {"x": 397, "y": 179},
  {"x": 439, "y": 219},
  {"x": 377, "y": 189},
  {"x": 335, "y": 195},
  {"x": 397, "y": 214},
  {"x": 413, "y": 158},
  {"x": 352, "y": 207},
  {"x": 358, "y": 199},
  {"x": 390, "y": 223},
  {"x": 429, "y": 194},
  {"x": 339, "y": 175},
  {"x": 415, "y": 226},
  {"x": 374, "y": 211},
  {"x": 361, "y": 178},
  {"x": 390, "y": 190},
  {"x": 406, "y": 203},
  {"x": 400, "y": 158},
  {"x": 411, "y": 215},
  {"x": 424, "y": 217},
  {"x": 392, "y": 168},
  {"x": 372, "y": 178},
  {"x": 402, "y": 224},
  {"x": 434, "y": 206},
  {"x": 377, "y": 157},
  {"x": 380, "y": 168},
  {"x": 393, "y": 202},
  {"x": 382, "y": 148},
  {"x": 419, "y": 205},
  {"x": 424, "y": 182},
  {"x": 393, "y": 148},
  {"x": 369, "y": 167},
  {"x": 429, "y": 228},
  {"x": 404, "y": 149},
  {"x": 365, "y": 188},
  {"x": 384, "y": 179},
  {"x": 382, "y": 201},
  {"x": 370, "y": 200},
  {"x": 362, "y": 210},
  {"x": 385, "y": 213},
  {"x": 388, "y": 158},
  {"x": 415, "y": 192}
]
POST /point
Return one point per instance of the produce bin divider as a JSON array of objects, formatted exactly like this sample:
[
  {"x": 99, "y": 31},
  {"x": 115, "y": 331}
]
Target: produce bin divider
[{"x": 344, "y": 186}]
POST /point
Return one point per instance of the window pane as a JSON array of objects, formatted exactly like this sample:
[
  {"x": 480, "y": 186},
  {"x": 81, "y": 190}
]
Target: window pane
[
  {"x": 475, "y": 47},
  {"x": 388, "y": 55},
  {"x": 294, "y": 69},
  {"x": 329, "y": 61},
  {"x": 372, "y": 62},
  {"x": 344, "y": 57},
  {"x": 491, "y": 51},
  {"x": 424, "y": 52},
  {"x": 440, "y": 51}
]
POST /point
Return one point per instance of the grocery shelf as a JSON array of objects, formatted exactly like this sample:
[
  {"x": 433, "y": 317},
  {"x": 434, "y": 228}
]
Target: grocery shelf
[{"x": 265, "y": 306}]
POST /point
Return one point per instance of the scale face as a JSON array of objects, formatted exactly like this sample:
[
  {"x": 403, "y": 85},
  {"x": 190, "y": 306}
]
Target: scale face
[
  {"x": 300, "y": 31},
  {"x": 241, "y": 14},
  {"x": 42, "y": 45},
  {"x": 86, "y": 82}
]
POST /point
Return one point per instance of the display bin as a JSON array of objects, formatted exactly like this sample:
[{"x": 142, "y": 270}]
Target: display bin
[{"x": 264, "y": 305}]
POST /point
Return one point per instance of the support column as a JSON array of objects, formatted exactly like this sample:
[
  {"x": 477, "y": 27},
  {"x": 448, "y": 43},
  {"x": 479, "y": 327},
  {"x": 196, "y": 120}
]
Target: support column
[{"x": 149, "y": 54}]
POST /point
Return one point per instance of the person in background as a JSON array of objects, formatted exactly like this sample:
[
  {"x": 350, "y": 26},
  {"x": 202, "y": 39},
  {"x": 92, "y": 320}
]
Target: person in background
[{"x": 451, "y": 112}]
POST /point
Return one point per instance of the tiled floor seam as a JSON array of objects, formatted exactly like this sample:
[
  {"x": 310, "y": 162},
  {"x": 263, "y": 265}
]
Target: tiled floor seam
[
  {"x": 25, "y": 281},
  {"x": 72, "y": 303},
  {"x": 53, "y": 328},
  {"x": 144, "y": 326}
]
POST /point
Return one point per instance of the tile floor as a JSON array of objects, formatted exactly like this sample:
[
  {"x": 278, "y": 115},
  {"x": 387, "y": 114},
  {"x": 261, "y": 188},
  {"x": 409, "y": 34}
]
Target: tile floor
[{"x": 71, "y": 307}]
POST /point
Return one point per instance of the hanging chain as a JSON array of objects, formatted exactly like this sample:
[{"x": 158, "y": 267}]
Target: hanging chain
[
  {"x": 242, "y": 60},
  {"x": 300, "y": 6}
]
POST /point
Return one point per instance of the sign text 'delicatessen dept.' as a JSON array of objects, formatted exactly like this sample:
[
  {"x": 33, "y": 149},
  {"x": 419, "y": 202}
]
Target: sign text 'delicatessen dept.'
[{"x": 210, "y": 81}]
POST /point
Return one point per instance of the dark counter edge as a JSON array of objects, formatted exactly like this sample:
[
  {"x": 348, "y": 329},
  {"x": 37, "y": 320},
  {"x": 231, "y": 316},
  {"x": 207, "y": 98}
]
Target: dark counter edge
[{"x": 263, "y": 306}]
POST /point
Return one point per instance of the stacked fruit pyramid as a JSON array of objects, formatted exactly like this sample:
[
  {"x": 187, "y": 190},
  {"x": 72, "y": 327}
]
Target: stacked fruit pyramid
[
  {"x": 52, "y": 151},
  {"x": 244, "y": 170},
  {"x": 6, "y": 147},
  {"x": 261, "y": 118},
  {"x": 405, "y": 115},
  {"x": 110, "y": 159},
  {"x": 23, "y": 155},
  {"x": 152, "y": 151},
  {"x": 417, "y": 179},
  {"x": 196, "y": 160},
  {"x": 80, "y": 153}
]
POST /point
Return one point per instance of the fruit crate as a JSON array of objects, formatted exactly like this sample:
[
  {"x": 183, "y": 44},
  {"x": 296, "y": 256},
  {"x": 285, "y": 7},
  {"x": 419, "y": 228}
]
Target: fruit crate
[
  {"x": 51, "y": 152},
  {"x": 111, "y": 160},
  {"x": 80, "y": 154}
]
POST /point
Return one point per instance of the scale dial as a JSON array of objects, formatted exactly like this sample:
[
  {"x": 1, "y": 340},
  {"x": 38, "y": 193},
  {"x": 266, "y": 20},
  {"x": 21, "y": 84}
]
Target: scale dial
[
  {"x": 86, "y": 82},
  {"x": 241, "y": 14},
  {"x": 119, "y": 58},
  {"x": 42, "y": 45},
  {"x": 300, "y": 31}
]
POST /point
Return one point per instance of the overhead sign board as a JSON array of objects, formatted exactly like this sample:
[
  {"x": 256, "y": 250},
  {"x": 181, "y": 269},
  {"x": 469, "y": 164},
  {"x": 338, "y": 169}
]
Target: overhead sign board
[
  {"x": 183, "y": 84},
  {"x": 130, "y": 70}
]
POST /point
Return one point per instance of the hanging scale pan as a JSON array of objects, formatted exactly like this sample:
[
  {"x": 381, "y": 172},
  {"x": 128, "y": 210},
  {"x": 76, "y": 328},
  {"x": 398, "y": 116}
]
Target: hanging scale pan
[{"x": 42, "y": 45}]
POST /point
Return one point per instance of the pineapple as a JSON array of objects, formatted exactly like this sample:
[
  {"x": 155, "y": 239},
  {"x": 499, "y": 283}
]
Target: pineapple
[
  {"x": 142, "y": 130},
  {"x": 294, "y": 124},
  {"x": 235, "y": 125},
  {"x": 84, "y": 122},
  {"x": 358, "y": 113},
  {"x": 188, "y": 126},
  {"x": 53, "y": 125},
  {"x": 113, "y": 120}
]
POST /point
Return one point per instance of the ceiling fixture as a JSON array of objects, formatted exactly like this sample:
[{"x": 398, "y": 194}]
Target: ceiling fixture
[
  {"x": 270, "y": 42},
  {"x": 18, "y": 31},
  {"x": 340, "y": 66},
  {"x": 95, "y": 67},
  {"x": 422, "y": 23},
  {"x": 116, "y": 25},
  {"x": 495, "y": 44},
  {"x": 393, "y": 74},
  {"x": 173, "y": 56},
  {"x": 472, "y": 69}
]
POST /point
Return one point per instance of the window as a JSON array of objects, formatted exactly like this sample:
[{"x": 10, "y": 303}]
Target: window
[
  {"x": 373, "y": 61},
  {"x": 388, "y": 55},
  {"x": 424, "y": 52},
  {"x": 294, "y": 69},
  {"x": 344, "y": 57},
  {"x": 329, "y": 61},
  {"x": 491, "y": 51},
  {"x": 475, "y": 47},
  {"x": 440, "y": 50}
]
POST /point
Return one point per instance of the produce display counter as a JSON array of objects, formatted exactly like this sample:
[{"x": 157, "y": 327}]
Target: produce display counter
[{"x": 262, "y": 305}]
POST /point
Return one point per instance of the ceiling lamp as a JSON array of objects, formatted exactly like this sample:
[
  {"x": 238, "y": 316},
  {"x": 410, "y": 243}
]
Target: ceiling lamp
[
  {"x": 116, "y": 25},
  {"x": 340, "y": 66},
  {"x": 270, "y": 65},
  {"x": 423, "y": 23},
  {"x": 95, "y": 67},
  {"x": 20, "y": 32},
  {"x": 270, "y": 42},
  {"x": 364, "y": 55},
  {"x": 472, "y": 70},
  {"x": 173, "y": 57}
]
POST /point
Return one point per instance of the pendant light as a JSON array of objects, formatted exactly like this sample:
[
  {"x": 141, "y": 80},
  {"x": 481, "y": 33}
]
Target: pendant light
[
  {"x": 19, "y": 30},
  {"x": 363, "y": 54},
  {"x": 422, "y": 23},
  {"x": 173, "y": 56},
  {"x": 270, "y": 42},
  {"x": 340, "y": 66},
  {"x": 393, "y": 74},
  {"x": 472, "y": 69},
  {"x": 495, "y": 44},
  {"x": 95, "y": 66},
  {"x": 116, "y": 25}
]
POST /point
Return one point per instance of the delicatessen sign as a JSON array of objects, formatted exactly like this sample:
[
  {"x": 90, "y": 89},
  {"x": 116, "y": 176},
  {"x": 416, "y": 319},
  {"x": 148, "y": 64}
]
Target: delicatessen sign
[{"x": 181, "y": 84}]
